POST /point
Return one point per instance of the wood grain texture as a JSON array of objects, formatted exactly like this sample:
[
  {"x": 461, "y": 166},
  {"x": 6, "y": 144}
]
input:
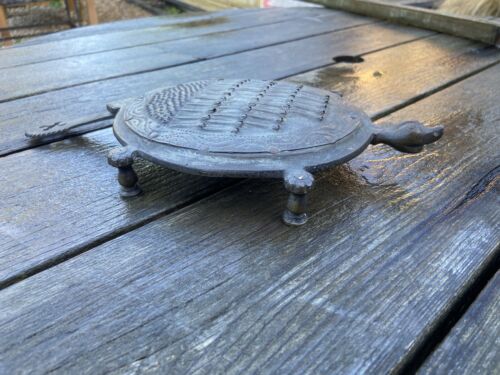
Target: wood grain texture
[
  {"x": 473, "y": 345},
  {"x": 24, "y": 197},
  {"x": 162, "y": 30},
  {"x": 223, "y": 287},
  {"x": 70, "y": 180},
  {"x": 264, "y": 63},
  {"x": 125, "y": 25},
  {"x": 394, "y": 78},
  {"x": 476, "y": 28},
  {"x": 73, "y": 71}
]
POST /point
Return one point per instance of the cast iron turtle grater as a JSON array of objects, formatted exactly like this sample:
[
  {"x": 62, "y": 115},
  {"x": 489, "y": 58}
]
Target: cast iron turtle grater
[{"x": 250, "y": 128}]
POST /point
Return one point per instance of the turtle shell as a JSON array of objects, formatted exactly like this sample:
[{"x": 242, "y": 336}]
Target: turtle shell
[
  {"x": 243, "y": 116},
  {"x": 241, "y": 128}
]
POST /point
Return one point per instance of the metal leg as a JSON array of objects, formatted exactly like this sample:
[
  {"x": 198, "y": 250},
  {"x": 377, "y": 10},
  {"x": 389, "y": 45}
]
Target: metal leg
[
  {"x": 123, "y": 158},
  {"x": 298, "y": 183}
]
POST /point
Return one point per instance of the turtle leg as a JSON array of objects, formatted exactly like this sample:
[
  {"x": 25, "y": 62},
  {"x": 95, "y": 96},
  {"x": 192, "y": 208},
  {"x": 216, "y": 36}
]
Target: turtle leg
[
  {"x": 298, "y": 183},
  {"x": 123, "y": 158}
]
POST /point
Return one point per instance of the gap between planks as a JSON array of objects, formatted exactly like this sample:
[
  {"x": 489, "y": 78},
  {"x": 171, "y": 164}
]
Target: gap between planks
[
  {"x": 63, "y": 257},
  {"x": 469, "y": 344},
  {"x": 442, "y": 327}
]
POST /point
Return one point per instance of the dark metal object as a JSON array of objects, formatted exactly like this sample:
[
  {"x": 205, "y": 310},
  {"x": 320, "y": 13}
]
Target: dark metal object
[{"x": 250, "y": 128}]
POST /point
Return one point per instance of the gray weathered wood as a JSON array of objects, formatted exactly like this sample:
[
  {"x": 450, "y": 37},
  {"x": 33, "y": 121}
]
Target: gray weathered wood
[
  {"x": 222, "y": 287},
  {"x": 394, "y": 78},
  {"x": 25, "y": 166},
  {"x": 62, "y": 212},
  {"x": 126, "y": 25},
  {"x": 167, "y": 29},
  {"x": 475, "y": 28},
  {"x": 265, "y": 63},
  {"x": 473, "y": 345},
  {"x": 37, "y": 78}
]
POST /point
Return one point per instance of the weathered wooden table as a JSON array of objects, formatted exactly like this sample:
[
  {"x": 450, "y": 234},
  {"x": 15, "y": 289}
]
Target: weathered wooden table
[{"x": 395, "y": 270}]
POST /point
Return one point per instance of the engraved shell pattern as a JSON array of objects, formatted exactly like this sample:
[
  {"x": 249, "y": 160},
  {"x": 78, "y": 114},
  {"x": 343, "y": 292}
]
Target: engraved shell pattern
[{"x": 242, "y": 116}]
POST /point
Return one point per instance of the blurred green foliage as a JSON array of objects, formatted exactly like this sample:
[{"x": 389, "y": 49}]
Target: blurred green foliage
[{"x": 57, "y": 4}]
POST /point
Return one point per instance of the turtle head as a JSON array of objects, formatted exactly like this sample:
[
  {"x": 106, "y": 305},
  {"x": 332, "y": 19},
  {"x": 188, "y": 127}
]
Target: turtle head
[{"x": 408, "y": 136}]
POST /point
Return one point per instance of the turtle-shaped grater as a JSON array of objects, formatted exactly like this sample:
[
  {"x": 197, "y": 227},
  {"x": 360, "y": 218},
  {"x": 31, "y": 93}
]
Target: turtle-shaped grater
[{"x": 250, "y": 128}]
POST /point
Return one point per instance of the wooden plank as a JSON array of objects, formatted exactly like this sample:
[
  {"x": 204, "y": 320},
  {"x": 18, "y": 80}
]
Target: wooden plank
[
  {"x": 19, "y": 200},
  {"x": 466, "y": 27},
  {"x": 43, "y": 240},
  {"x": 473, "y": 346},
  {"x": 42, "y": 77},
  {"x": 123, "y": 25},
  {"x": 163, "y": 30},
  {"x": 223, "y": 287},
  {"x": 90, "y": 99},
  {"x": 141, "y": 23}
]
